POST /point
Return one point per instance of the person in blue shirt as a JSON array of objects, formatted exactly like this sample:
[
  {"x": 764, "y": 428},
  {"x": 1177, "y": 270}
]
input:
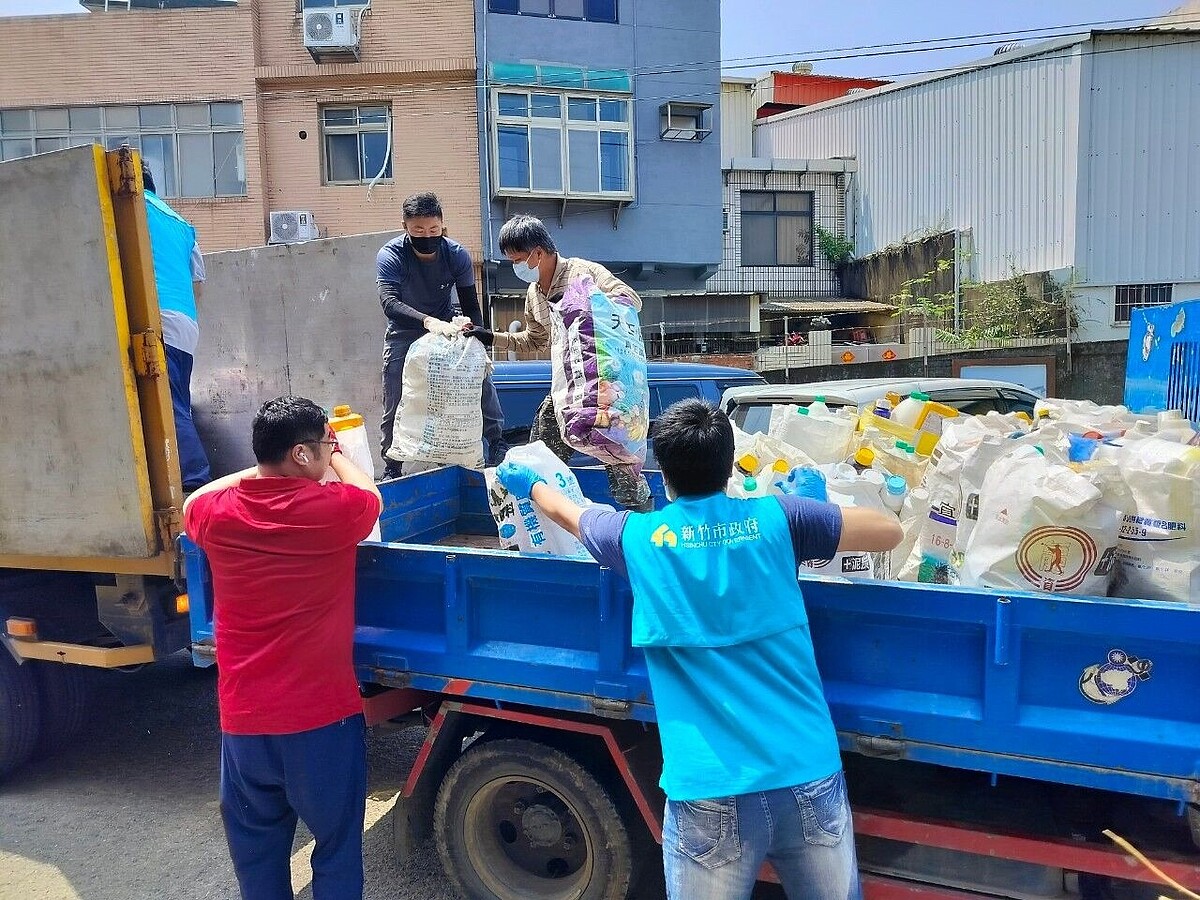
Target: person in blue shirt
[
  {"x": 178, "y": 268},
  {"x": 420, "y": 273},
  {"x": 751, "y": 767}
]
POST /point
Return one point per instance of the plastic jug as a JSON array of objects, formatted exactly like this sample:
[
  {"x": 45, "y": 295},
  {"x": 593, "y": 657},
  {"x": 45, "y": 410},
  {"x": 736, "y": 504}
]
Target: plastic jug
[
  {"x": 352, "y": 438},
  {"x": 910, "y": 409},
  {"x": 1172, "y": 426},
  {"x": 934, "y": 415},
  {"x": 818, "y": 407}
]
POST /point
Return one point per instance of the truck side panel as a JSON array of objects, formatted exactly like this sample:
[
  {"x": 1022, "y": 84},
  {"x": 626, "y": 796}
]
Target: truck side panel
[{"x": 80, "y": 488}]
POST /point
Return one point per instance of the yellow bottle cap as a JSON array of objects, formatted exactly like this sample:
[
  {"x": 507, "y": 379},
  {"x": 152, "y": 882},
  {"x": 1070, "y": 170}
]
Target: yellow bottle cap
[
  {"x": 748, "y": 463},
  {"x": 781, "y": 466},
  {"x": 864, "y": 456},
  {"x": 344, "y": 418}
]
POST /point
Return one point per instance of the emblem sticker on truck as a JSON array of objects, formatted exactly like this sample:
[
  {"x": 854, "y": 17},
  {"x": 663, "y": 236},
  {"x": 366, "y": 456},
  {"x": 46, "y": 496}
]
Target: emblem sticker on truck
[{"x": 1114, "y": 680}]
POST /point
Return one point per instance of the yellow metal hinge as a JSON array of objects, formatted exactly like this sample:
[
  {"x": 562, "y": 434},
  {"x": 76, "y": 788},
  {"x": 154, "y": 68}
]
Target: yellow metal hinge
[
  {"x": 124, "y": 177},
  {"x": 149, "y": 358}
]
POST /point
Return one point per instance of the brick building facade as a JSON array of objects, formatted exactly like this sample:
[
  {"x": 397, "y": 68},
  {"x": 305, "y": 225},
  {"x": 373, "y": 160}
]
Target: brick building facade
[{"x": 237, "y": 119}]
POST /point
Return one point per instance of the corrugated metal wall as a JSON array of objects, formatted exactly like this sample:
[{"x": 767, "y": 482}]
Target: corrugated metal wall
[
  {"x": 994, "y": 151},
  {"x": 737, "y": 120},
  {"x": 1140, "y": 197}
]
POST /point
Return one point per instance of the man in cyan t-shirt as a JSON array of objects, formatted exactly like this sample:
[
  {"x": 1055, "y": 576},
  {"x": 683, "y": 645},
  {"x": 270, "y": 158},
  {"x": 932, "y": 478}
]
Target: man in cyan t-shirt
[
  {"x": 425, "y": 280},
  {"x": 178, "y": 271},
  {"x": 281, "y": 546},
  {"x": 751, "y": 767}
]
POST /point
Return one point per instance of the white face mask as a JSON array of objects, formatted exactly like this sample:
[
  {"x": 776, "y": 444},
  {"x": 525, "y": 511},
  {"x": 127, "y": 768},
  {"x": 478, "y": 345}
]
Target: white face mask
[{"x": 524, "y": 271}]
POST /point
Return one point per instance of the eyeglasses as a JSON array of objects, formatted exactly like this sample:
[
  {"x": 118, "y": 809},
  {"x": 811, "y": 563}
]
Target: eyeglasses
[{"x": 326, "y": 443}]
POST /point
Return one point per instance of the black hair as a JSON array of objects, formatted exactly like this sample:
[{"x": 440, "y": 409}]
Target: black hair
[
  {"x": 283, "y": 423},
  {"x": 693, "y": 442},
  {"x": 524, "y": 234},
  {"x": 421, "y": 206},
  {"x": 147, "y": 177}
]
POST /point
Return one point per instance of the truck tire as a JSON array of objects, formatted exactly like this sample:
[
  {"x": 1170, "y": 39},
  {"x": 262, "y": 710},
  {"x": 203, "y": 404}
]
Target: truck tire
[
  {"x": 20, "y": 718},
  {"x": 516, "y": 819},
  {"x": 64, "y": 694}
]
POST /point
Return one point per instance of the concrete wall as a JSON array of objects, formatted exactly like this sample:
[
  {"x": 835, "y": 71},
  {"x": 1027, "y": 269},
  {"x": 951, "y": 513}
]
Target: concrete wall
[
  {"x": 675, "y": 221},
  {"x": 301, "y": 319}
]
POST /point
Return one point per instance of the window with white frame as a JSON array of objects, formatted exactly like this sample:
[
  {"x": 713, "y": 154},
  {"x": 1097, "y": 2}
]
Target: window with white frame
[
  {"x": 1131, "y": 296},
  {"x": 193, "y": 149},
  {"x": 355, "y": 144},
  {"x": 562, "y": 144}
]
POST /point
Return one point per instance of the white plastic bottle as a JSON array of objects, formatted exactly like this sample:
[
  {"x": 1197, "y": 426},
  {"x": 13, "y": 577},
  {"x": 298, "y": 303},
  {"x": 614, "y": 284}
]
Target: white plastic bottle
[
  {"x": 910, "y": 409},
  {"x": 819, "y": 408},
  {"x": 895, "y": 489}
]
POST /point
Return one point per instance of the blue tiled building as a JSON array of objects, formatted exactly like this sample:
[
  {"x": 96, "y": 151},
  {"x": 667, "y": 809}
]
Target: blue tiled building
[{"x": 600, "y": 117}]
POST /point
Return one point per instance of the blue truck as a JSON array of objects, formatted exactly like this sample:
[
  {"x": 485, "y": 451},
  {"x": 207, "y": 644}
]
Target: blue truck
[{"x": 538, "y": 774}]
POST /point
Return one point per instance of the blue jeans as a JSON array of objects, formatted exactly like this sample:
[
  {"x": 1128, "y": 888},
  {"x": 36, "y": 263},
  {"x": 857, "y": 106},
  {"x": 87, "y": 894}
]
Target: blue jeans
[
  {"x": 193, "y": 461},
  {"x": 713, "y": 849},
  {"x": 269, "y": 781}
]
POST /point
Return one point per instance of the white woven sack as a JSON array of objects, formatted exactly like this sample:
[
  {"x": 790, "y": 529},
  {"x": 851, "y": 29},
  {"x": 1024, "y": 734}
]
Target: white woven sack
[
  {"x": 440, "y": 420},
  {"x": 1159, "y": 548},
  {"x": 1044, "y": 526}
]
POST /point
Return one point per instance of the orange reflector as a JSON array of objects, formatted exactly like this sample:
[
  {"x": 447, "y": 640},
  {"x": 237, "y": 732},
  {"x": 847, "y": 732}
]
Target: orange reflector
[
  {"x": 182, "y": 605},
  {"x": 25, "y": 629}
]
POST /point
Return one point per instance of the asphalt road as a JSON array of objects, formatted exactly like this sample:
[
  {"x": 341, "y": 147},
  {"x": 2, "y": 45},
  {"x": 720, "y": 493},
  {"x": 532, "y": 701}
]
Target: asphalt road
[{"x": 130, "y": 810}]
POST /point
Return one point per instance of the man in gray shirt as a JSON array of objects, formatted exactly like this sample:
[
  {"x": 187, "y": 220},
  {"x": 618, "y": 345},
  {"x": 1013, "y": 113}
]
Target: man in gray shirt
[{"x": 419, "y": 274}]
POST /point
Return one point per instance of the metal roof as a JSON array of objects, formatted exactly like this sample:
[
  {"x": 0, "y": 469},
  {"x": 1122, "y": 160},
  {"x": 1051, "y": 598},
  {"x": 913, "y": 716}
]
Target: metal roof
[
  {"x": 813, "y": 307},
  {"x": 1184, "y": 19}
]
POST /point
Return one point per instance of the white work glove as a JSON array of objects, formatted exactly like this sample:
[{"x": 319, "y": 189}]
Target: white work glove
[{"x": 437, "y": 326}]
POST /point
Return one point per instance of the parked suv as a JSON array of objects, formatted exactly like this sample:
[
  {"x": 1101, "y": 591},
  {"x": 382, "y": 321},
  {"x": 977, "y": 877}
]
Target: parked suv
[
  {"x": 522, "y": 386},
  {"x": 750, "y": 407}
]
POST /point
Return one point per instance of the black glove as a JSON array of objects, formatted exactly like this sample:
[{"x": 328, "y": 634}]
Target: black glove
[{"x": 485, "y": 335}]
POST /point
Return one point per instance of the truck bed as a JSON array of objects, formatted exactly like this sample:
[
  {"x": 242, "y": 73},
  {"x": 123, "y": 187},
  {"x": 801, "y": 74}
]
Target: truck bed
[{"x": 967, "y": 678}]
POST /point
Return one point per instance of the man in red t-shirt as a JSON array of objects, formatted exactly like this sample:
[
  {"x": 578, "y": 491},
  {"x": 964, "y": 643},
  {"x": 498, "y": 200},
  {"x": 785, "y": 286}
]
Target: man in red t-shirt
[{"x": 281, "y": 546}]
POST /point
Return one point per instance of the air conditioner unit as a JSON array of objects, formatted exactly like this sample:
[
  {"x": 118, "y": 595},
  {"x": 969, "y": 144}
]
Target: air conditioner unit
[
  {"x": 292, "y": 226},
  {"x": 332, "y": 29}
]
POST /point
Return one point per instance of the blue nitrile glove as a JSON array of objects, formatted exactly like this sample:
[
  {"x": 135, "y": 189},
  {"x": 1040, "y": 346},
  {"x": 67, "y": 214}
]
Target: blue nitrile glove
[
  {"x": 518, "y": 479},
  {"x": 805, "y": 481}
]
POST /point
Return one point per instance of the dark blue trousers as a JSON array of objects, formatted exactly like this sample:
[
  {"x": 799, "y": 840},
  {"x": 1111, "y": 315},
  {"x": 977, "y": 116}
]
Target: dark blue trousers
[
  {"x": 193, "y": 461},
  {"x": 318, "y": 776}
]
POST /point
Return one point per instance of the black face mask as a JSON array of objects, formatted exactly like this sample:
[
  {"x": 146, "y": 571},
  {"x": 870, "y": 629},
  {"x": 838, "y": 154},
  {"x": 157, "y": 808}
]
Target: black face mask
[{"x": 425, "y": 244}]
